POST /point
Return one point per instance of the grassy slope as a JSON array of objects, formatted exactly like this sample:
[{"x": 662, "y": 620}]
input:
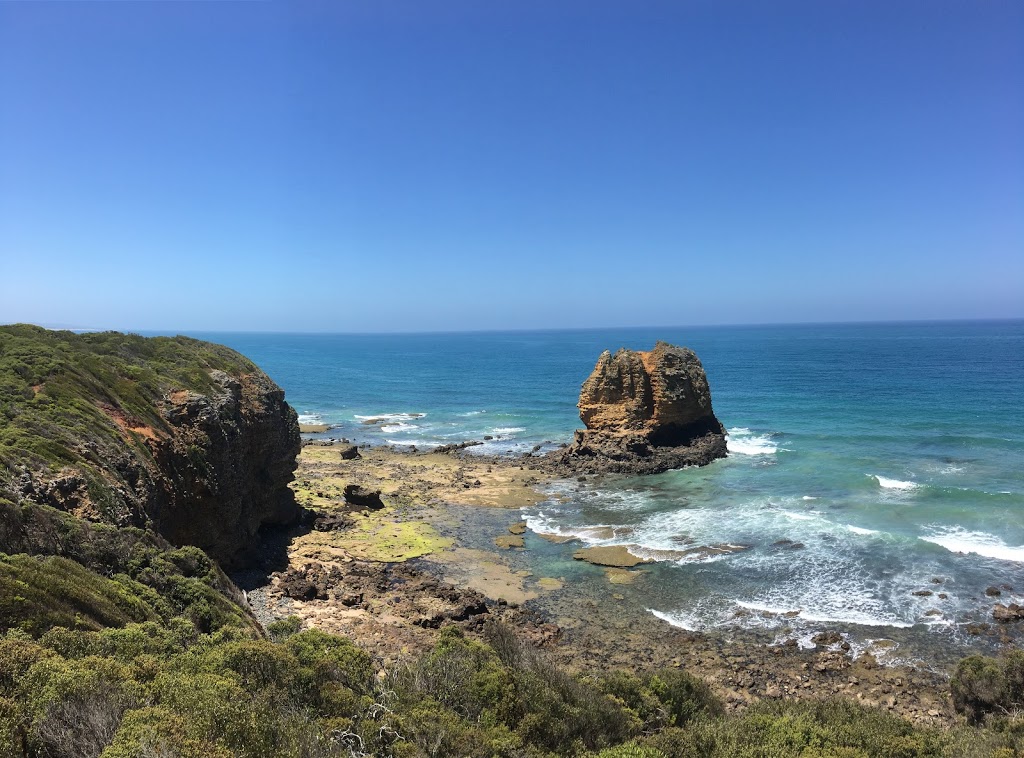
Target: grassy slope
[{"x": 53, "y": 384}]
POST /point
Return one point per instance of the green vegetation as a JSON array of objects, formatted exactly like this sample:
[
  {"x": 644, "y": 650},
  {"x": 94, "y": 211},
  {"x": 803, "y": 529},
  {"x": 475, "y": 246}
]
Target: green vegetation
[
  {"x": 60, "y": 393},
  {"x": 160, "y": 688},
  {"x": 70, "y": 573},
  {"x": 983, "y": 686}
]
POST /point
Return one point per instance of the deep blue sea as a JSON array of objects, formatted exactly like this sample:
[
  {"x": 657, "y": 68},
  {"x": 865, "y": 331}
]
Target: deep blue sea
[{"x": 889, "y": 456}]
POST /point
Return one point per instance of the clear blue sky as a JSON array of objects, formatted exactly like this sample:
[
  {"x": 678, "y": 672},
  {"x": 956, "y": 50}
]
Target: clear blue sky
[{"x": 363, "y": 165}]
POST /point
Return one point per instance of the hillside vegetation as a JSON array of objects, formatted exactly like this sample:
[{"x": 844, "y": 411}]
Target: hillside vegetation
[{"x": 60, "y": 394}]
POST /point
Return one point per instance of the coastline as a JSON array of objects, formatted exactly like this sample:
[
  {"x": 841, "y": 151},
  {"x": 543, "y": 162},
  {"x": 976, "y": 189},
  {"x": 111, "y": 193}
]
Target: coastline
[{"x": 448, "y": 546}]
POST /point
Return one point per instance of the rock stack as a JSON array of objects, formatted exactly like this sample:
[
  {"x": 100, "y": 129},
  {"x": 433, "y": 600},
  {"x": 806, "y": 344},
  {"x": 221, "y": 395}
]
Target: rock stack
[{"x": 645, "y": 412}]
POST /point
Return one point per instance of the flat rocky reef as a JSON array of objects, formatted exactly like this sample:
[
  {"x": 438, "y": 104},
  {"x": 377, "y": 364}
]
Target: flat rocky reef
[{"x": 394, "y": 545}]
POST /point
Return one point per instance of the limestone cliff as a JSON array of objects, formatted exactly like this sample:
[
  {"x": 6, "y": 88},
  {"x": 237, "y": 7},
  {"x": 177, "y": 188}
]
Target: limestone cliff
[
  {"x": 184, "y": 437},
  {"x": 645, "y": 412}
]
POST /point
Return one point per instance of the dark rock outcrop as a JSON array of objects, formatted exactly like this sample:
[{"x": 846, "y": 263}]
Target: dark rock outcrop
[
  {"x": 225, "y": 468},
  {"x": 1005, "y": 614},
  {"x": 348, "y": 452},
  {"x": 645, "y": 412},
  {"x": 363, "y": 497},
  {"x": 185, "y": 438}
]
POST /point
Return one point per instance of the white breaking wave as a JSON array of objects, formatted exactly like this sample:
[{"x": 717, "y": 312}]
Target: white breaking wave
[
  {"x": 959, "y": 540},
  {"x": 390, "y": 418},
  {"x": 310, "y": 418},
  {"x": 837, "y": 615},
  {"x": 392, "y": 428},
  {"x": 744, "y": 442},
  {"x": 894, "y": 484},
  {"x": 426, "y": 444},
  {"x": 679, "y": 620},
  {"x": 860, "y": 529},
  {"x": 508, "y": 429}
]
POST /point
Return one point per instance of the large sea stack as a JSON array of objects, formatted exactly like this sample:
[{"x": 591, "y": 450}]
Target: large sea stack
[{"x": 645, "y": 412}]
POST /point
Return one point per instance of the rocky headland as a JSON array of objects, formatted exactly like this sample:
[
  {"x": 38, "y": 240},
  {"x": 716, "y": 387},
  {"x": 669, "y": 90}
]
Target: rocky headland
[
  {"x": 645, "y": 412},
  {"x": 180, "y": 436}
]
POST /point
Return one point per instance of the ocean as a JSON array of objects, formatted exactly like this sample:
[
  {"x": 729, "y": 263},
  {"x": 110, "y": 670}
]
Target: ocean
[{"x": 875, "y": 477}]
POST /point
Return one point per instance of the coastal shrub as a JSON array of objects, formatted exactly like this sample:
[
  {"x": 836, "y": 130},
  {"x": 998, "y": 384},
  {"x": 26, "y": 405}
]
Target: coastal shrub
[
  {"x": 670, "y": 697},
  {"x": 547, "y": 709},
  {"x": 333, "y": 658},
  {"x": 155, "y": 731},
  {"x": 13, "y": 729},
  {"x": 75, "y": 706},
  {"x": 982, "y": 685},
  {"x": 39, "y": 593},
  {"x": 282, "y": 629},
  {"x": 631, "y": 749},
  {"x": 825, "y": 729},
  {"x": 122, "y": 575}
]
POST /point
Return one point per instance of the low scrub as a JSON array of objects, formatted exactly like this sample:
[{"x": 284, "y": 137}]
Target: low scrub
[{"x": 163, "y": 688}]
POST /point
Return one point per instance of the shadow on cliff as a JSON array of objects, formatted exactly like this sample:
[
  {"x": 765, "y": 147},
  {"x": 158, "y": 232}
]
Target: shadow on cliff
[{"x": 267, "y": 552}]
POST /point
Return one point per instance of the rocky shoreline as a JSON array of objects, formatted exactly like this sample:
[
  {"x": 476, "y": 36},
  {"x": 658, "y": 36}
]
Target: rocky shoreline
[{"x": 434, "y": 553}]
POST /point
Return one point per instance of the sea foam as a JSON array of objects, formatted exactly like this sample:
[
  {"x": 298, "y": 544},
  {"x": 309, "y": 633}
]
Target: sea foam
[
  {"x": 894, "y": 484},
  {"x": 389, "y": 418},
  {"x": 400, "y": 427},
  {"x": 742, "y": 441},
  {"x": 960, "y": 540}
]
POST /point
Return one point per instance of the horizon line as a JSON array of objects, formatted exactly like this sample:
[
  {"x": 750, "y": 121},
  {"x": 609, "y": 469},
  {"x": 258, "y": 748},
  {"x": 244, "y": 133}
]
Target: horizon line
[{"x": 177, "y": 332}]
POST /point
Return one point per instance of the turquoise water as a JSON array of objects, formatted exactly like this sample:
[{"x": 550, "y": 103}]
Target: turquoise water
[{"x": 892, "y": 455}]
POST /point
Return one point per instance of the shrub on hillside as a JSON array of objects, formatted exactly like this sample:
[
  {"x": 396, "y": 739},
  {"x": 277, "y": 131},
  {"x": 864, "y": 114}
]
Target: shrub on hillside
[{"x": 981, "y": 685}]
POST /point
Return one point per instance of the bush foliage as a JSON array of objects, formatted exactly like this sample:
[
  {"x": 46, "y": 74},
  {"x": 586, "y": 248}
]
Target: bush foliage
[{"x": 161, "y": 688}]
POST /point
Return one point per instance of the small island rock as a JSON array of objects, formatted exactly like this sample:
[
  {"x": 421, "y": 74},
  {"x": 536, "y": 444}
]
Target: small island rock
[{"x": 645, "y": 412}]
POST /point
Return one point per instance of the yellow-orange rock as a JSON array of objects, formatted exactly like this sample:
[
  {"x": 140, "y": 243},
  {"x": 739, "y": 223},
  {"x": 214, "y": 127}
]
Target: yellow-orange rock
[{"x": 645, "y": 412}]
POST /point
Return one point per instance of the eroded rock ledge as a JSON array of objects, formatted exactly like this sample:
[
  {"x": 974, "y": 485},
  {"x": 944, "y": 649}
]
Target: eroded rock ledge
[{"x": 645, "y": 412}]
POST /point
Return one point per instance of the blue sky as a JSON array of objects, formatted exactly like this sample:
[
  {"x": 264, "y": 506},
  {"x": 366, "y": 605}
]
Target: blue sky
[{"x": 365, "y": 166}]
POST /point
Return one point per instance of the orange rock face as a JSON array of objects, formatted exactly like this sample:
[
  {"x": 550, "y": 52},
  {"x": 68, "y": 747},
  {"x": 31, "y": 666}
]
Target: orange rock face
[
  {"x": 658, "y": 394},
  {"x": 645, "y": 412}
]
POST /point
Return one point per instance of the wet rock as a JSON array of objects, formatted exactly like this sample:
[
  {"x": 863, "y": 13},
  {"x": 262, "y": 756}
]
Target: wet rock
[
  {"x": 826, "y": 638},
  {"x": 330, "y": 522},
  {"x": 1005, "y": 614},
  {"x": 993, "y": 591},
  {"x": 456, "y": 447},
  {"x": 617, "y": 556},
  {"x": 922, "y": 593}
]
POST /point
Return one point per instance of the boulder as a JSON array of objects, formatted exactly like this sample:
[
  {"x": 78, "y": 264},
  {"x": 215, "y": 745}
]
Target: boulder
[
  {"x": 645, "y": 412},
  {"x": 363, "y": 497},
  {"x": 348, "y": 452}
]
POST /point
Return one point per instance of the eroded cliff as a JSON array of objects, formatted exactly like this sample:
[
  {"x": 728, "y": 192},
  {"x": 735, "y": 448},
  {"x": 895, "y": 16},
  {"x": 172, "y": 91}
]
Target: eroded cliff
[{"x": 184, "y": 437}]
